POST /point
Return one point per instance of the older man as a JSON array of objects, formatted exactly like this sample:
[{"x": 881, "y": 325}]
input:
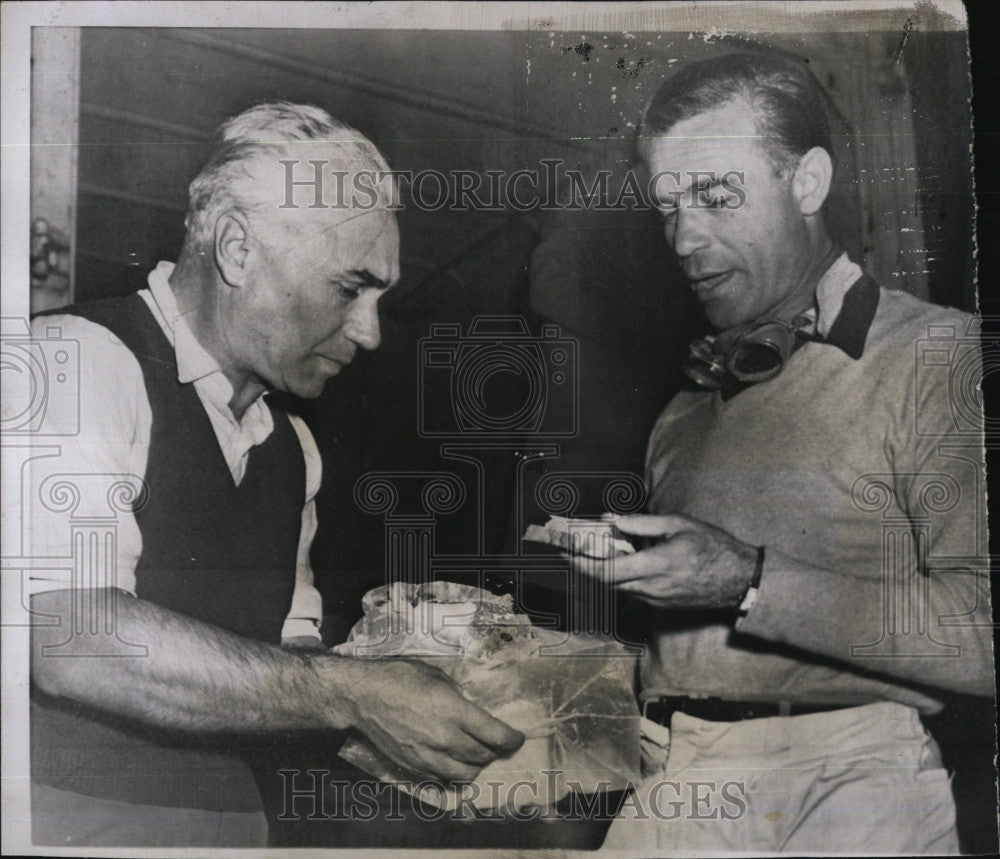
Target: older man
[
  {"x": 133, "y": 741},
  {"x": 809, "y": 561}
]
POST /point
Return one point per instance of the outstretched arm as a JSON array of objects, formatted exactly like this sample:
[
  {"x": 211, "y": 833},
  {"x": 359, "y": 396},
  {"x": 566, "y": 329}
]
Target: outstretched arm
[{"x": 198, "y": 677}]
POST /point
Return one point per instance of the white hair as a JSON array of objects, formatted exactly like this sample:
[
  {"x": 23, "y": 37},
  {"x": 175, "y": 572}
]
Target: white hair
[{"x": 229, "y": 177}]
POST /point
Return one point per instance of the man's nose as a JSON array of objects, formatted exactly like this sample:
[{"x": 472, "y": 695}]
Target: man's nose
[
  {"x": 363, "y": 325},
  {"x": 687, "y": 233}
]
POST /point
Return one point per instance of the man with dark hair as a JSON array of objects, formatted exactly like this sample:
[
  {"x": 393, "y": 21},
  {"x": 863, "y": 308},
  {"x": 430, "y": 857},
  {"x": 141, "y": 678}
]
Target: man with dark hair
[
  {"x": 810, "y": 553},
  {"x": 161, "y": 652},
  {"x": 786, "y": 100}
]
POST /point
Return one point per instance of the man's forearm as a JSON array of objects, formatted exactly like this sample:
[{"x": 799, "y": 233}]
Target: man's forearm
[
  {"x": 197, "y": 677},
  {"x": 193, "y": 676},
  {"x": 837, "y": 615}
]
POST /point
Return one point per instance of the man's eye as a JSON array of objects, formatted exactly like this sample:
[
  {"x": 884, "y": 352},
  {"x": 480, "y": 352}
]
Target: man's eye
[
  {"x": 713, "y": 198},
  {"x": 349, "y": 291},
  {"x": 718, "y": 198}
]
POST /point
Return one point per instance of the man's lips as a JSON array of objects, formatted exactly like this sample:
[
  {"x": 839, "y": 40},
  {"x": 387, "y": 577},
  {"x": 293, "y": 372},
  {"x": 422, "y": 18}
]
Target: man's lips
[
  {"x": 339, "y": 362},
  {"x": 707, "y": 284}
]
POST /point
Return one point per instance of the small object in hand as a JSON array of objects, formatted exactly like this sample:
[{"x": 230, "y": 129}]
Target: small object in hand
[
  {"x": 572, "y": 697},
  {"x": 590, "y": 537}
]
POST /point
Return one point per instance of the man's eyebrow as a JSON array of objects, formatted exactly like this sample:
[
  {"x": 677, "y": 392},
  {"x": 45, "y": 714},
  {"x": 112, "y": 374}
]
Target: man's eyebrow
[
  {"x": 669, "y": 201},
  {"x": 705, "y": 183}
]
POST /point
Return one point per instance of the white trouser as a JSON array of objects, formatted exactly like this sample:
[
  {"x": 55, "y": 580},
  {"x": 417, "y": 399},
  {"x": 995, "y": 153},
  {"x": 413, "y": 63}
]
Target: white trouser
[{"x": 858, "y": 781}]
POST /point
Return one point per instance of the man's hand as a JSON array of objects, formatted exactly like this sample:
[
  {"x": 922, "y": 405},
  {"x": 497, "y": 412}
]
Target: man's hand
[
  {"x": 198, "y": 677},
  {"x": 418, "y": 717},
  {"x": 693, "y": 565}
]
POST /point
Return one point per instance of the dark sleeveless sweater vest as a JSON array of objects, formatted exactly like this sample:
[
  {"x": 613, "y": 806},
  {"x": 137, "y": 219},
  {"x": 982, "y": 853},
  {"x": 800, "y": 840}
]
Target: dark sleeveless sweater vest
[{"x": 211, "y": 550}]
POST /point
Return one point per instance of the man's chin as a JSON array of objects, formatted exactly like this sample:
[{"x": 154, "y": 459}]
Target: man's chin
[
  {"x": 309, "y": 389},
  {"x": 724, "y": 318},
  {"x": 726, "y": 307}
]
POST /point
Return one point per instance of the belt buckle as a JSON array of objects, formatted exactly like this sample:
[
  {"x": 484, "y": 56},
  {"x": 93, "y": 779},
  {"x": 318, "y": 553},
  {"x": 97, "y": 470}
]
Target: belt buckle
[
  {"x": 763, "y": 709},
  {"x": 667, "y": 706},
  {"x": 653, "y": 702}
]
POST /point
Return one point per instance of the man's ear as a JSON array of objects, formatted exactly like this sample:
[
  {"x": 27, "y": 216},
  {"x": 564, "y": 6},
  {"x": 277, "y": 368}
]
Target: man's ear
[
  {"x": 811, "y": 182},
  {"x": 232, "y": 246}
]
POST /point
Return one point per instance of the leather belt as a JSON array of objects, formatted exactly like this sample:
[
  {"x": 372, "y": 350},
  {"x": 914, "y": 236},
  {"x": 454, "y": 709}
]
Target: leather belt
[{"x": 720, "y": 710}]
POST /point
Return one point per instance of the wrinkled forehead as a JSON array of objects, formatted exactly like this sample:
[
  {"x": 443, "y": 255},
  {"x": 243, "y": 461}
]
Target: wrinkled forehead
[
  {"x": 719, "y": 139},
  {"x": 368, "y": 242},
  {"x": 341, "y": 175},
  {"x": 344, "y": 244},
  {"x": 329, "y": 197}
]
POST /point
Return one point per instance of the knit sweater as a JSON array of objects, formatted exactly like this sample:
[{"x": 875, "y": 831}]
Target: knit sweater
[{"x": 866, "y": 487}]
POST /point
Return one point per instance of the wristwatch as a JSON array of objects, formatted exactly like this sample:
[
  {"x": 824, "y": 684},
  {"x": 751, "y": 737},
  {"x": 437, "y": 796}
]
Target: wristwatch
[{"x": 750, "y": 597}]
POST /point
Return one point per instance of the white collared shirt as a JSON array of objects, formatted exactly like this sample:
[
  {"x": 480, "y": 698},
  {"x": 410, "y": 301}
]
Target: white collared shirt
[
  {"x": 105, "y": 431},
  {"x": 195, "y": 365}
]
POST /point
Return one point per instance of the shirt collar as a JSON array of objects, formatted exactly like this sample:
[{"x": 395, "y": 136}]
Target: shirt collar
[
  {"x": 196, "y": 365},
  {"x": 193, "y": 362},
  {"x": 846, "y": 301}
]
